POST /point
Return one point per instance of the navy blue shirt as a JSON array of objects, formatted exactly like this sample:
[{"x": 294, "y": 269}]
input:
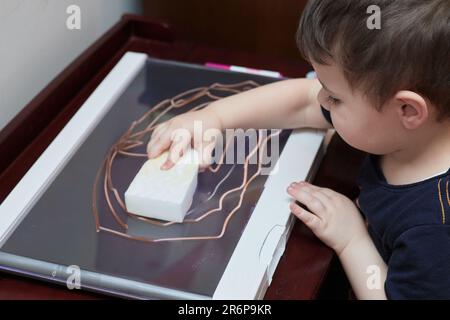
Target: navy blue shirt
[{"x": 410, "y": 226}]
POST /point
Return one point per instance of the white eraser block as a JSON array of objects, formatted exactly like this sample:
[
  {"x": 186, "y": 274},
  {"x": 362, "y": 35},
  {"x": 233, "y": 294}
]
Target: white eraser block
[{"x": 164, "y": 194}]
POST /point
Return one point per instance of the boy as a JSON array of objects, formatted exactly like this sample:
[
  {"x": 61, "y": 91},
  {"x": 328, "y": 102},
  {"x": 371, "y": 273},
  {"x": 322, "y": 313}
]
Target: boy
[{"x": 387, "y": 92}]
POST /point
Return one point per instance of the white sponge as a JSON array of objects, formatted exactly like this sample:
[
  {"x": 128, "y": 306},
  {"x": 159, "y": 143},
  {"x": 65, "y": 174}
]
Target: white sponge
[{"x": 164, "y": 194}]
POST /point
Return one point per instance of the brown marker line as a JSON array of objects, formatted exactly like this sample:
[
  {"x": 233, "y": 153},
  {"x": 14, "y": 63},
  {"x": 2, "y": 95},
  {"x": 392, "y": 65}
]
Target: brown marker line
[{"x": 128, "y": 141}]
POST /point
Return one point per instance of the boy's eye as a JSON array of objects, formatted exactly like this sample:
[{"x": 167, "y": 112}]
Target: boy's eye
[{"x": 333, "y": 100}]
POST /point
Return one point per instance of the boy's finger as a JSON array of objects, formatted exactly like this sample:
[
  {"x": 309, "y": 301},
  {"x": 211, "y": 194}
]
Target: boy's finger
[
  {"x": 158, "y": 130},
  {"x": 326, "y": 191},
  {"x": 177, "y": 150},
  {"x": 309, "y": 219},
  {"x": 313, "y": 203},
  {"x": 159, "y": 146},
  {"x": 162, "y": 144},
  {"x": 155, "y": 149},
  {"x": 150, "y": 146},
  {"x": 156, "y": 136},
  {"x": 318, "y": 193}
]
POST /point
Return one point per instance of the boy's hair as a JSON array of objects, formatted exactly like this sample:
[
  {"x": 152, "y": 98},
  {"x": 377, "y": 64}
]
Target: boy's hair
[{"x": 411, "y": 51}]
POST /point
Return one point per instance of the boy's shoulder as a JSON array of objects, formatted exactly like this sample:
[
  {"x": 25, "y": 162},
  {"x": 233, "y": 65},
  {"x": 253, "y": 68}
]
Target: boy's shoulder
[{"x": 392, "y": 210}]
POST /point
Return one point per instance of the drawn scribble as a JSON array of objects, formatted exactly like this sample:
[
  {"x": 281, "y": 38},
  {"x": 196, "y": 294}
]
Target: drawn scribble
[{"x": 135, "y": 137}]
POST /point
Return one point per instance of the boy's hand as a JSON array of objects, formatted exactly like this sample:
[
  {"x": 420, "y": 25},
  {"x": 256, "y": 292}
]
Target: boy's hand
[
  {"x": 177, "y": 134},
  {"x": 332, "y": 217}
]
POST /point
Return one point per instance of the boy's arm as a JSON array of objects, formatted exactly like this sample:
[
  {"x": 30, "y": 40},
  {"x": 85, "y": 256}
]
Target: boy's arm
[
  {"x": 285, "y": 104},
  {"x": 281, "y": 105},
  {"x": 364, "y": 268}
]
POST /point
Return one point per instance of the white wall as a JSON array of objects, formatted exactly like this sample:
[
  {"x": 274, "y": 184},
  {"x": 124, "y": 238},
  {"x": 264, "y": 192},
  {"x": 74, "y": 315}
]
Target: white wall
[{"x": 35, "y": 44}]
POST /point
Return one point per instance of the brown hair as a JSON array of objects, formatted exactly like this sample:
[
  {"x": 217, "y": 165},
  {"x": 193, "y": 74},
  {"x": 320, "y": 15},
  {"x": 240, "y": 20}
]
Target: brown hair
[{"x": 411, "y": 51}]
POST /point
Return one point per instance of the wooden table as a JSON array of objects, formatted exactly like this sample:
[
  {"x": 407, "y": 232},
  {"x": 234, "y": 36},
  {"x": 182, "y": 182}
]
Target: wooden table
[{"x": 306, "y": 263}]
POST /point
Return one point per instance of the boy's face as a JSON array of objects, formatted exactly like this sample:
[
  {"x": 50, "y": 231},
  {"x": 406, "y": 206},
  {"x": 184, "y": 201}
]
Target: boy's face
[{"x": 354, "y": 118}]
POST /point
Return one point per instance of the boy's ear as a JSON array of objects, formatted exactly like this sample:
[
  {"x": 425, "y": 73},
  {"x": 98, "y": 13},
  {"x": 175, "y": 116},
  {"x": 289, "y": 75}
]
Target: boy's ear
[{"x": 412, "y": 108}]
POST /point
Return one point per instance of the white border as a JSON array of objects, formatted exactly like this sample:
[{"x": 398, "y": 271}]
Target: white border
[
  {"x": 250, "y": 269},
  {"x": 30, "y": 188}
]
